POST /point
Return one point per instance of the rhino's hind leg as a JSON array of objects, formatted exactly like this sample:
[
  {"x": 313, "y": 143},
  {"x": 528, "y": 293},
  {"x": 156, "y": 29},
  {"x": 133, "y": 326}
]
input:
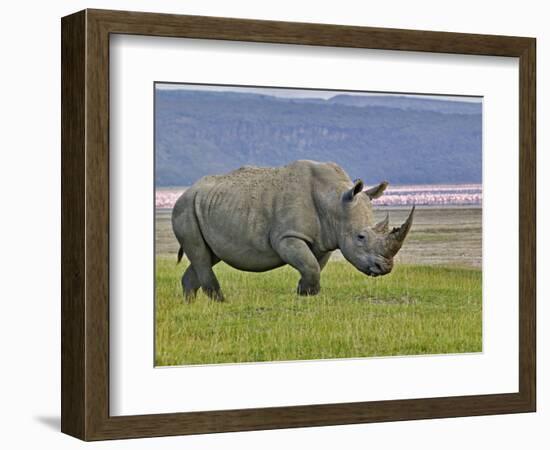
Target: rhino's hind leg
[
  {"x": 199, "y": 273},
  {"x": 190, "y": 283},
  {"x": 296, "y": 252},
  {"x": 208, "y": 281}
]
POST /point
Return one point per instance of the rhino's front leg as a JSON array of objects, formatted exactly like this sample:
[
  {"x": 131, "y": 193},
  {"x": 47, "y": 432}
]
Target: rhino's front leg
[
  {"x": 323, "y": 260},
  {"x": 296, "y": 252}
]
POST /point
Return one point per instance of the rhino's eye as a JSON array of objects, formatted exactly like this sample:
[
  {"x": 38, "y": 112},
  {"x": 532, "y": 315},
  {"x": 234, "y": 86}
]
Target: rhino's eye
[{"x": 361, "y": 237}]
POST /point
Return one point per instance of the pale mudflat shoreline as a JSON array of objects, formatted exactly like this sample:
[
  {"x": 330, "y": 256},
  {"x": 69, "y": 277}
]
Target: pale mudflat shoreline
[{"x": 449, "y": 235}]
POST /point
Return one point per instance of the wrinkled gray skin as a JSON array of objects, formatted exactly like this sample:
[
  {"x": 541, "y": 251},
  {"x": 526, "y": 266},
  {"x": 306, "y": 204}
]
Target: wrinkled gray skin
[{"x": 258, "y": 219}]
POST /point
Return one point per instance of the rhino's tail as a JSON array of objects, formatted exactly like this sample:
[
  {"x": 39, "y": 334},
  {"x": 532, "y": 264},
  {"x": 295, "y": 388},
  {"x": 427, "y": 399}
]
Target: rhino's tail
[{"x": 180, "y": 254}]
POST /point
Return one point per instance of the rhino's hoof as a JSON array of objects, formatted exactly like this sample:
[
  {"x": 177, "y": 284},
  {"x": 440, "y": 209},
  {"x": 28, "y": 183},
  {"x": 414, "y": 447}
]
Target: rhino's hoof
[
  {"x": 218, "y": 297},
  {"x": 214, "y": 294},
  {"x": 304, "y": 289},
  {"x": 189, "y": 296}
]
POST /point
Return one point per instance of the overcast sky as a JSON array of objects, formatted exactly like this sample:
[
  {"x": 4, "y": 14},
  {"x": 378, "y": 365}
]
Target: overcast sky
[{"x": 304, "y": 93}]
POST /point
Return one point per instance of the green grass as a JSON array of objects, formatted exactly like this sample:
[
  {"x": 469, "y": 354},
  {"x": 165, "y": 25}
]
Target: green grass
[{"x": 412, "y": 311}]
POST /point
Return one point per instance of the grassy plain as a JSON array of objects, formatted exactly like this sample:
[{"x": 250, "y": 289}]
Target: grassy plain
[{"x": 430, "y": 304}]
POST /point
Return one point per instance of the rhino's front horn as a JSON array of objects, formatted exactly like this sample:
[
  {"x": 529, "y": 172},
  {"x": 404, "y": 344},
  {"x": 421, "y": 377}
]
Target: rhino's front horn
[{"x": 397, "y": 236}]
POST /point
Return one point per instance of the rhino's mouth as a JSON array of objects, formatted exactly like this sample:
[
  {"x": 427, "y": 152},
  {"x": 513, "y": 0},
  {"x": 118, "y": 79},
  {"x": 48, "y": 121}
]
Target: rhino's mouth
[{"x": 377, "y": 270}]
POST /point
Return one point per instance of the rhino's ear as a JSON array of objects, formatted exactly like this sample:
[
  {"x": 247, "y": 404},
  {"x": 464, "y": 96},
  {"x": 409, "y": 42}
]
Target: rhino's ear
[
  {"x": 356, "y": 189},
  {"x": 377, "y": 191}
]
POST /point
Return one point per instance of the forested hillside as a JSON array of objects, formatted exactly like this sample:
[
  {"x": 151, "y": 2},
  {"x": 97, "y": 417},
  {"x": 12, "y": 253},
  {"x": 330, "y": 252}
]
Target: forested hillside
[{"x": 405, "y": 140}]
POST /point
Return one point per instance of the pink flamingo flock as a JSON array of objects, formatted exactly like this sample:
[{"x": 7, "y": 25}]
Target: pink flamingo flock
[{"x": 422, "y": 195}]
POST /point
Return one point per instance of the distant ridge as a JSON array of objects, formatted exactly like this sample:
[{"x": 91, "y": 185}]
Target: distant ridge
[
  {"x": 408, "y": 103},
  {"x": 404, "y": 139}
]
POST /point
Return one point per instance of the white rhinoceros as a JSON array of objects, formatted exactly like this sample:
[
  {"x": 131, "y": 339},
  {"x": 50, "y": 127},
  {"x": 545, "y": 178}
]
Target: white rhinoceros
[{"x": 258, "y": 218}]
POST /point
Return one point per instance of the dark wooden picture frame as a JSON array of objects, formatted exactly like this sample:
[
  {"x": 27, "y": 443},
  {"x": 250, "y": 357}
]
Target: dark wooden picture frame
[{"x": 85, "y": 224}]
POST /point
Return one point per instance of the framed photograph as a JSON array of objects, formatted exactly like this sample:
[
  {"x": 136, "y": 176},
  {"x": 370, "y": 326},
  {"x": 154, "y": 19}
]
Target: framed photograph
[{"x": 273, "y": 225}]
